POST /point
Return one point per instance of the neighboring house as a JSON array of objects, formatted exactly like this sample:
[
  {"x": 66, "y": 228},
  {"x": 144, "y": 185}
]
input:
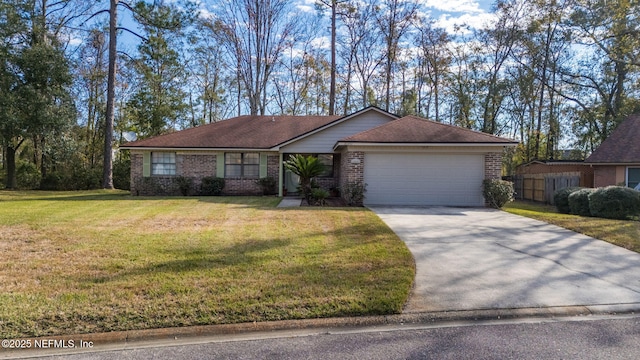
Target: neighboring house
[
  {"x": 617, "y": 160},
  {"x": 405, "y": 161}
]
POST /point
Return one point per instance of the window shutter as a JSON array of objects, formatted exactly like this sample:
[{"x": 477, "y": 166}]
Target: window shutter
[
  {"x": 263, "y": 165},
  {"x": 220, "y": 165},
  {"x": 146, "y": 164}
]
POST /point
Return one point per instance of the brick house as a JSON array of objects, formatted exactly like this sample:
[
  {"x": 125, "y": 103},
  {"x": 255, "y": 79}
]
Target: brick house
[
  {"x": 617, "y": 160},
  {"x": 408, "y": 160}
]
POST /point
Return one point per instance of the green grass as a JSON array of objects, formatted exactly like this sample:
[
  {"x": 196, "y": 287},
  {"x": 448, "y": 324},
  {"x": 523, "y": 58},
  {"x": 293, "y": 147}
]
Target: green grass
[
  {"x": 624, "y": 233},
  {"x": 78, "y": 262}
]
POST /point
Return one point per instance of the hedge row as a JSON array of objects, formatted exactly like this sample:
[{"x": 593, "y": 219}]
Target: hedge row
[{"x": 611, "y": 202}]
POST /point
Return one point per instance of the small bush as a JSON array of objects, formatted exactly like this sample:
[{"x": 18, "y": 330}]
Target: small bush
[
  {"x": 184, "y": 185},
  {"x": 614, "y": 202},
  {"x": 497, "y": 192},
  {"x": 561, "y": 199},
  {"x": 27, "y": 176},
  {"x": 354, "y": 193},
  {"x": 211, "y": 186},
  {"x": 268, "y": 185},
  {"x": 579, "y": 202},
  {"x": 319, "y": 196},
  {"x": 122, "y": 174},
  {"x": 51, "y": 181}
]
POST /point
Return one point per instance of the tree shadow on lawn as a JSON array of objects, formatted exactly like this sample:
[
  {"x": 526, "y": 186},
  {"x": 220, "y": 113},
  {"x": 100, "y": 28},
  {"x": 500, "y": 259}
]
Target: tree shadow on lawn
[
  {"x": 263, "y": 202},
  {"x": 247, "y": 254}
]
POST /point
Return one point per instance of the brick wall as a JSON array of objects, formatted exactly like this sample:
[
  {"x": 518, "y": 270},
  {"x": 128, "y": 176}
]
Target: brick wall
[
  {"x": 351, "y": 169},
  {"x": 194, "y": 167},
  {"x": 241, "y": 187},
  {"x": 604, "y": 175},
  {"x": 493, "y": 165}
]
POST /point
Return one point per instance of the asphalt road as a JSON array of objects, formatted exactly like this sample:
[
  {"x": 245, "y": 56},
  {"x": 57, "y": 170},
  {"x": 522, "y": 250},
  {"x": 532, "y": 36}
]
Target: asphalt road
[{"x": 586, "y": 337}]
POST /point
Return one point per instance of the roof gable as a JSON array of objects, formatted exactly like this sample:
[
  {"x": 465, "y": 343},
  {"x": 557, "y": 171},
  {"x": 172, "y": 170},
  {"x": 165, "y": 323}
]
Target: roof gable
[
  {"x": 415, "y": 130},
  {"x": 622, "y": 146}
]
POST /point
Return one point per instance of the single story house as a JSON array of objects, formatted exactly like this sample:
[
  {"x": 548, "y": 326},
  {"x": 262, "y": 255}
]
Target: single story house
[
  {"x": 617, "y": 160},
  {"x": 404, "y": 161}
]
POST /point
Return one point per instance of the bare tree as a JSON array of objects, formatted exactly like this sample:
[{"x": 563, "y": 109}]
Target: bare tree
[
  {"x": 394, "y": 18},
  {"x": 434, "y": 60},
  {"x": 255, "y": 33},
  {"x": 107, "y": 162},
  {"x": 366, "y": 54}
]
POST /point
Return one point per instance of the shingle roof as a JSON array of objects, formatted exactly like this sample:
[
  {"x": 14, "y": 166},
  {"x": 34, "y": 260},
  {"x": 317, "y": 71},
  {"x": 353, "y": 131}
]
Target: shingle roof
[
  {"x": 622, "y": 146},
  {"x": 243, "y": 132},
  {"x": 412, "y": 129}
]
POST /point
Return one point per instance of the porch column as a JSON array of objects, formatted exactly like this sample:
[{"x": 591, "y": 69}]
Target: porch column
[{"x": 280, "y": 175}]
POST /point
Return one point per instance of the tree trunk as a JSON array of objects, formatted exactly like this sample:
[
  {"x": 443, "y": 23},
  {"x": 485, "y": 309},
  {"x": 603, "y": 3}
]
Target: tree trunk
[
  {"x": 107, "y": 167},
  {"x": 10, "y": 158},
  {"x": 332, "y": 88}
]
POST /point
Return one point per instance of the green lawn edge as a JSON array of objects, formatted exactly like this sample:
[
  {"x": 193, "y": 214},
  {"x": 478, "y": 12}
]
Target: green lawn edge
[
  {"x": 99, "y": 261},
  {"x": 623, "y": 233}
]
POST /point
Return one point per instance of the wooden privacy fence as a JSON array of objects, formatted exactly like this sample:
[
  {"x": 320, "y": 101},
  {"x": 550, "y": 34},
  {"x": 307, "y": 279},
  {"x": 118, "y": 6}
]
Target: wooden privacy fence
[{"x": 540, "y": 187}]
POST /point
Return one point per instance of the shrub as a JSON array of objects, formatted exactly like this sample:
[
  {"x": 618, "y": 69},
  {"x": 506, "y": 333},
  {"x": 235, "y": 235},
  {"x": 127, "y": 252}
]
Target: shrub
[
  {"x": 579, "y": 202},
  {"x": 319, "y": 196},
  {"x": 497, "y": 192},
  {"x": 27, "y": 175},
  {"x": 80, "y": 178},
  {"x": 306, "y": 167},
  {"x": 354, "y": 193},
  {"x": 614, "y": 202},
  {"x": 184, "y": 184},
  {"x": 122, "y": 174},
  {"x": 51, "y": 181},
  {"x": 211, "y": 186},
  {"x": 268, "y": 185},
  {"x": 561, "y": 199}
]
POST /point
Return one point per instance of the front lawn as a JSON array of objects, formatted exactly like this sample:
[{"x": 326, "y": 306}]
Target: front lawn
[
  {"x": 624, "y": 233},
  {"x": 77, "y": 262}
]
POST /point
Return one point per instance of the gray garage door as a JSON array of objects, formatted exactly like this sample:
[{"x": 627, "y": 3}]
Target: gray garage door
[{"x": 423, "y": 179}]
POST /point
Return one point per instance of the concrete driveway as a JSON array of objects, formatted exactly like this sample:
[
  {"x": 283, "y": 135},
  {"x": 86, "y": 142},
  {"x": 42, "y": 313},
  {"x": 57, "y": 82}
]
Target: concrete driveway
[{"x": 479, "y": 259}]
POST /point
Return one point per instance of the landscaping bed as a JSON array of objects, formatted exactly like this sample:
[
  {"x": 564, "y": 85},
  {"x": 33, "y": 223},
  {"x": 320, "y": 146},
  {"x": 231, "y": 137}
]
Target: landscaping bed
[{"x": 78, "y": 262}]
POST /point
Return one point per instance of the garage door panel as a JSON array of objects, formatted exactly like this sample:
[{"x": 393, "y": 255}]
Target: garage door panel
[{"x": 424, "y": 179}]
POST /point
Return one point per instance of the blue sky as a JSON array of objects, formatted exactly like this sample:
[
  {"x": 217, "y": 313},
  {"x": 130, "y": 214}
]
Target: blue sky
[{"x": 447, "y": 13}]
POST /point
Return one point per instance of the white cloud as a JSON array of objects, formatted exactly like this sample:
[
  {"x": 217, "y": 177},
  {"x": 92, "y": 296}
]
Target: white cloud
[
  {"x": 461, "y": 6},
  {"x": 205, "y": 14},
  {"x": 75, "y": 41},
  {"x": 475, "y": 21},
  {"x": 306, "y": 6},
  {"x": 321, "y": 42}
]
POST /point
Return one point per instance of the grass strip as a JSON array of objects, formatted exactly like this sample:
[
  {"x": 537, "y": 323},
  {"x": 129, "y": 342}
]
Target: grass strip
[{"x": 624, "y": 233}]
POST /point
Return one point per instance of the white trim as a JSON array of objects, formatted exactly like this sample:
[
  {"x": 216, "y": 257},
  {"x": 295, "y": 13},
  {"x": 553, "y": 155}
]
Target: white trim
[
  {"x": 626, "y": 174},
  {"x": 192, "y": 150},
  {"x": 333, "y": 123},
  {"x": 346, "y": 143},
  {"x": 632, "y": 164}
]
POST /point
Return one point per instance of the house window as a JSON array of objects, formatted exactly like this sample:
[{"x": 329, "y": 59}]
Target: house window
[
  {"x": 633, "y": 177},
  {"x": 163, "y": 163},
  {"x": 242, "y": 165},
  {"x": 327, "y": 161}
]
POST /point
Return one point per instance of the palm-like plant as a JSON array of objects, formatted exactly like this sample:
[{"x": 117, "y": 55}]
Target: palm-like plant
[{"x": 306, "y": 167}]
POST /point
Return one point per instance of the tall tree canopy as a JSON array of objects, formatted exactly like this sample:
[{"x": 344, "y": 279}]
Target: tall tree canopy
[{"x": 554, "y": 75}]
